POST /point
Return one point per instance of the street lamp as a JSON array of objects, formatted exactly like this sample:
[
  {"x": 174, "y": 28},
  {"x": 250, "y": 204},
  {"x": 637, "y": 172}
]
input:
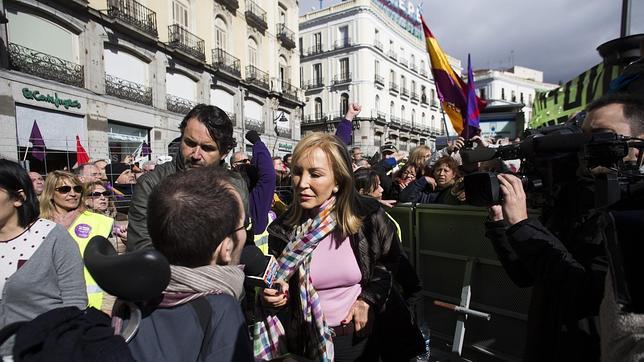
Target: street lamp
[{"x": 355, "y": 124}]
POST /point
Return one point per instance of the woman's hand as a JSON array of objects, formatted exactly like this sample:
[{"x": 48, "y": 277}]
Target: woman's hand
[
  {"x": 362, "y": 317},
  {"x": 431, "y": 181},
  {"x": 388, "y": 203},
  {"x": 277, "y": 296}
]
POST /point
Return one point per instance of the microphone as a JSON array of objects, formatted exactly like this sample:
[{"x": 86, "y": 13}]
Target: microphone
[{"x": 260, "y": 269}]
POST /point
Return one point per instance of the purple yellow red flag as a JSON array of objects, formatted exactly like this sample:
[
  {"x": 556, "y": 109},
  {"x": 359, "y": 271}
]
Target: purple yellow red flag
[
  {"x": 473, "y": 115},
  {"x": 38, "y": 149},
  {"x": 452, "y": 91}
]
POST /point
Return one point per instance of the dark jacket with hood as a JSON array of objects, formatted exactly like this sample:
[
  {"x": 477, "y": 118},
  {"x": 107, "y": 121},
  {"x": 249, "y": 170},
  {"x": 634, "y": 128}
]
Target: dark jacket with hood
[
  {"x": 377, "y": 251},
  {"x": 137, "y": 229}
]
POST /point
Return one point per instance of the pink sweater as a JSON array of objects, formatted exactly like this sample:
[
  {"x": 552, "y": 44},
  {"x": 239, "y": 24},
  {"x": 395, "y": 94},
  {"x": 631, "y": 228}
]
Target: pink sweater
[{"x": 336, "y": 277}]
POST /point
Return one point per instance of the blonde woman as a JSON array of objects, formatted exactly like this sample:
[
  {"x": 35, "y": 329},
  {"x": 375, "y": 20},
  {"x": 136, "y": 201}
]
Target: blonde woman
[
  {"x": 335, "y": 251},
  {"x": 63, "y": 201}
]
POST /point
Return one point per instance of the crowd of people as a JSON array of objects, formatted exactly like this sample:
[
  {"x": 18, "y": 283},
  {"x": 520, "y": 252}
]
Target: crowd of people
[{"x": 342, "y": 284}]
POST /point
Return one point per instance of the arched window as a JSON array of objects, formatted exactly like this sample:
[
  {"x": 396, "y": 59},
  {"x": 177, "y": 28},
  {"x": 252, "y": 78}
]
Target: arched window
[
  {"x": 221, "y": 33},
  {"x": 423, "y": 119},
  {"x": 344, "y": 104},
  {"x": 413, "y": 87},
  {"x": 318, "y": 108},
  {"x": 377, "y": 103},
  {"x": 412, "y": 60},
  {"x": 413, "y": 117},
  {"x": 392, "y": 109},
  {"x": 402, "y": 113},
  {"x": 284, "y": 76},
  {"x": 252, "y": 52}
]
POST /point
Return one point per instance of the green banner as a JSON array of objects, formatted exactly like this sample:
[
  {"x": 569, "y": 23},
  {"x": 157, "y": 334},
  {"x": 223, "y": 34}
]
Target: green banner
[{"x": 557, "y": 105}]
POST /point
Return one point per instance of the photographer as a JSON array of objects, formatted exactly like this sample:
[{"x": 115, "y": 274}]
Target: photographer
[{"x": 566, "y": 269}]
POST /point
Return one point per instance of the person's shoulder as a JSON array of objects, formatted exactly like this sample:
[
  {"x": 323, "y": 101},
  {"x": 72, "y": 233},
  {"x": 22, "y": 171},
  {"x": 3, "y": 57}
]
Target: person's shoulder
[{"x": 225, "y": 308}]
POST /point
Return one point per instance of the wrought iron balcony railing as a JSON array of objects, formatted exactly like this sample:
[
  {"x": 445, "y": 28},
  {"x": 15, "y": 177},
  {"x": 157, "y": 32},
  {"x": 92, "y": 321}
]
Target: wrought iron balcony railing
[
  {"x": 231, "y": 5},
  {"x": 423, "y": 72},
  {"x": 403, "y": 62},
  {"x": 182, "y": 39},
  {"x": 178, "y": 104},
  {"x": 394, "y": 120},
  {"x": 404, "y": 92},
  {"x": 46, "y": 66},
  {"x": 254, "y": 124},
  {"x": 256, "y": 16},
  {"x": 283, "y": 131},
  {"x": 405, "y": 124},
  {"x": 393, "y": 55},
  {"x": 286, "y": 36},
  {"x": 135, "y": 14},
  {"x": 226, "y": 62},
  {"x": 378, "y": 44},
  {"x": 414, "y": 96},
  {"x": 315, "y": 49},
  {"x": 342, "y": 43},
  {"x": 379, "y": 79},
  {"x": 257, "y": 77},
  {"x": 315, "y": 83},
  {"x": 341, "y": 78},
  {"x": 289, "y": 91},
  {"x": 125, "y": 89},
  {"x": 314, "y": 118},
  {"x": 378, "y": 115},
  {"x": 393, "y": 87}
]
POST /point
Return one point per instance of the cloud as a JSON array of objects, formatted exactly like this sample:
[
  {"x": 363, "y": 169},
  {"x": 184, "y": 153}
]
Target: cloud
[{"x": 558, "y": 37}]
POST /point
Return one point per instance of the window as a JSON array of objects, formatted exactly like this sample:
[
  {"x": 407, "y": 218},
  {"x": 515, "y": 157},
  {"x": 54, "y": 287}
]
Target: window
[
  {"x": 283, "y": 70},
  {"x": 317, "y": 42},
  {"x": 530, "y": 100},
  {"x": 412, "y": 60},
  {"x": 377, "y": 140},
  {"x": 413, "y": 117},
  {"x": 301, "y": 77},
  {"x": 180, "y": 14},
  {"x": 301, "y": 46},
  {"x": 392, "y": 109},
  {"x": 252, "y": 52},
  {"x": 318, "y": 108},
  {"x": 422, "y": 65},
  {"x": 482, "y": 93},
  {"x": 317, "y": 73},
  {"x": 344, "y": 104},
  {"x": 344, "y": 68},
  {"x": 391, "y": 45},
  {"x": 377, "y": 103},
  {"x": 343, "y": 37},
  {"x": 376, "y": 67},
  {"x": 402, "y": 81},
  {"x": 221, "y": 33},
  {"x": 503, "y": 93},
  {"x": 514, "y": 96},
  {"x": 413, "y": 86},
  {"x": 392, "y": 76},
  {"x": 376, "y": 35},
  {"x": 521, "y": 97},
  {"x": 282, "y": 10},
  {"x": 402, "y": 112},
  {"x": 423, "y": 119}
]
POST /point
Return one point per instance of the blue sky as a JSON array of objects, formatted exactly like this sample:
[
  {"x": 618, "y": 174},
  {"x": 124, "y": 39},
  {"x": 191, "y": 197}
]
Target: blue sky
[{"x": 558, "y": 37}]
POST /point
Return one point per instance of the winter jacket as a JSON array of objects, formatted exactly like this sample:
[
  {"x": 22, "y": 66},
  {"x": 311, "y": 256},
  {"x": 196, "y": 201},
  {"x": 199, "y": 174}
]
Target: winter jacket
[
  {"x": 377, "y": 250},
  {"x": 261, "y": 195},
  {"x": 137, "y": 229},
  {"x": 420, "y": 191},
  {"x": 344, "y": 131},
  {"x": 567, "y": 281},
  {"x": 384, "y": 169}
]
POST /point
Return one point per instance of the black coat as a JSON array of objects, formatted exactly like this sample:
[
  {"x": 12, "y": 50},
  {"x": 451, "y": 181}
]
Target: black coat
[{"x": 567, "y": 281}]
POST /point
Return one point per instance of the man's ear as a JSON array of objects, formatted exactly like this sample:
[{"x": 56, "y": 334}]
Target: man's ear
[
  {"x": 22, "y": 197},
  {"x": 223, "y": 253}
]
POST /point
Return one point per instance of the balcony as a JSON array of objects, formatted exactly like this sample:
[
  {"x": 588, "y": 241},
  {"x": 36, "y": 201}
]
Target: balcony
[
  {"x": 181, "y": 39},
  {"x": 178, "y": 105},
  {"x": 283, "y": 131},
  {"x": 405, "y": 92},
  {"x": 225, "y": 62},
  {"x": 314, "y": 119},
  {"x": 405, "y": 125},
  {"x": 393, "y": 87},
  {"x": 132, "y": 13},
  {"x": 125, "y": 89},
  {"x": 423, "y": 98},
  {"x": 393, "y": 55},
  {"x": 46, "y": 66},
  {"x": 394, "y": 121},
  {"x": 434, "y": 103},
  {"x": 413, "y": 67},
  {"x": 378, "y": 115},
  {"x": 315, "y": 49},
  {"x": 286, "y": 36},
  {"x": 342, "y": 43},
  {"x": 342, "y": 78},
  {"x": 254, "y": 125},
  {"x": 314, "y": 83},
  {"x": 257, "y": 77},
  {"x": 404, "y": 63},
  {"x": 231, "y": 5},
  {"x": 289, "y": 91},
  {"x": 256, "y": 16},
  {"x": 423, "y": 72},
  {"x": 378, "y": 44},
  {"x": 379, "y": 80}
]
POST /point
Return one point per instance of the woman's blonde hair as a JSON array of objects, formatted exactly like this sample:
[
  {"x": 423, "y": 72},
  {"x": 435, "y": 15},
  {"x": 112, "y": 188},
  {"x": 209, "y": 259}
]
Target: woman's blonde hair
[
  {"x": 347, "y": 216},
  {"x": 47, "y": 208},
  {"x": 111, "y": 209},
  {"x": 416, "y": 156}
]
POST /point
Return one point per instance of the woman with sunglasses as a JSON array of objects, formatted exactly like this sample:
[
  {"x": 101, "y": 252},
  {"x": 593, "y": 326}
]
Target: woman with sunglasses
[
  {"x": 63, "y": 201},
  {"x": 40, "y": 265}
]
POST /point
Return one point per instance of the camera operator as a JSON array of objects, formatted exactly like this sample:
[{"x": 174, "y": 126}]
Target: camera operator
[{"x": 566, "y": 270}]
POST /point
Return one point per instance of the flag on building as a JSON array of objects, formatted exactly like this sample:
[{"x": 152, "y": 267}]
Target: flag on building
[
  {"x": 81, "y": 155},
  {"x": 472, "y": 116},
  {"x": 38, "y": 148},
  {"x": 452, "y": 91},
  {"x": 145, "y": 149}
]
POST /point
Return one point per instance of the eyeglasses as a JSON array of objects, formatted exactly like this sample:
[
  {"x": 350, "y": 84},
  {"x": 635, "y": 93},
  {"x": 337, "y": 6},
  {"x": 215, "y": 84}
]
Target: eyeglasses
[
  {"x": 246, "y": 226},
  {"x": 99, "y": 194},
  {"x": 242, "y": 161},
  {"x": 66, "y": 189}
]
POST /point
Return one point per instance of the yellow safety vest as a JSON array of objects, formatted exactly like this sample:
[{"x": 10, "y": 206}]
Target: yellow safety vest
[
  {"x": 261, "y": 240},
  {"x": 86, "y": 226}
]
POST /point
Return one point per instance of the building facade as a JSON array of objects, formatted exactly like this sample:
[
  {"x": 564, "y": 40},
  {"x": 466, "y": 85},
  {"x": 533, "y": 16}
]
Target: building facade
[
  {"x": 371, "y": 52},
  {"x": 121, "y": 73},
  {"x": 509, "y": 88}
]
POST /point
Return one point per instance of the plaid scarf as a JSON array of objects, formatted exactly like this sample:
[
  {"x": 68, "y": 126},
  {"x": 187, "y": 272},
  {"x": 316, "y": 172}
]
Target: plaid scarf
[{"x": 296, "y": 256}]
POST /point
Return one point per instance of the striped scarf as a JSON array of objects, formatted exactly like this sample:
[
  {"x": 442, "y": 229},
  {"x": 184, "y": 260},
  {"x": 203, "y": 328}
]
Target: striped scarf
[{"x": 296, "y": 256}]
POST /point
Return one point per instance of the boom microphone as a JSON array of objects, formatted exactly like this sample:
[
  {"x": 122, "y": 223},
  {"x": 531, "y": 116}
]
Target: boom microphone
[{"x": 260, "y": 269}]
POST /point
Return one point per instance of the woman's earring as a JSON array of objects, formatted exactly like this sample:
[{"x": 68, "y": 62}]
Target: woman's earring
[{"x": 335, "y": 190}]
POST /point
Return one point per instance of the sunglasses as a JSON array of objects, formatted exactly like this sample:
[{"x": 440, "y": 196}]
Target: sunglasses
[
  {"x": 242, "y": 161},
  {"x": 99, "y": 194},
  {"x": 66, "y": 189}
]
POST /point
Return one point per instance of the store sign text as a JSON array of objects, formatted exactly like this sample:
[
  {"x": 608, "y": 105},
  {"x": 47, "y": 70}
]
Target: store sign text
[
  {"x": 285, "y": 147},
  {"x": 403, "y": 12},
  {"x": 36, "y": 96}
]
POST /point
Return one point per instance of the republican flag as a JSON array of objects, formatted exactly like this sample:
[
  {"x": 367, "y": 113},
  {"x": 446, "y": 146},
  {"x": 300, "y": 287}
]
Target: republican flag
[
  {"x": 472, "y": 116},
  {"x": 81, "y": 155},
  {"x": 38, "y": 149},
  {"x": 452, "y": 91}
]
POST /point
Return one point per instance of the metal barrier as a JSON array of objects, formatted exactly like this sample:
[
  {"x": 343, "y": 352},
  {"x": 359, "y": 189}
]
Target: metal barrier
[{"x": 458, "y": 265}]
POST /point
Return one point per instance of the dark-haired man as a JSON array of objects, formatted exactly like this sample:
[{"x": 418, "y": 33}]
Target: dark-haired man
[{"x": 206, "y": 139}]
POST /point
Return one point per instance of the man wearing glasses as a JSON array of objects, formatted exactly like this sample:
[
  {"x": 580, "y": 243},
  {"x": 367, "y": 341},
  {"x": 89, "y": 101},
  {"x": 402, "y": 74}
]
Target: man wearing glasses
[
  {"x": 239, "y": 158},
  {"x": 206, "y": 139}
]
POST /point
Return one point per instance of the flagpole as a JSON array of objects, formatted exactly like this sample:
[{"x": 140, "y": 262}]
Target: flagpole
[
  {"x": 445, "y": 123},
  {"x": 26, "y": 152},
  {"x": 69, "y": 168},
  {"x": 45, "y": 160}
]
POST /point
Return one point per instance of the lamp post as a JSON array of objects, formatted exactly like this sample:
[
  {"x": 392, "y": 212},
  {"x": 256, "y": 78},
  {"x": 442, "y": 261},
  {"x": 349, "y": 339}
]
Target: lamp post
[{"x": 355, "y": 124}]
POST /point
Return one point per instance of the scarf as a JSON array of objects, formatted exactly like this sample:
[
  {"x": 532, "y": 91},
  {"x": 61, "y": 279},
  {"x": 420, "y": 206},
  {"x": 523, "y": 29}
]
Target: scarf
[
  {"x": 187, "y": 284},
  {"x": 296, "y": 256}
]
